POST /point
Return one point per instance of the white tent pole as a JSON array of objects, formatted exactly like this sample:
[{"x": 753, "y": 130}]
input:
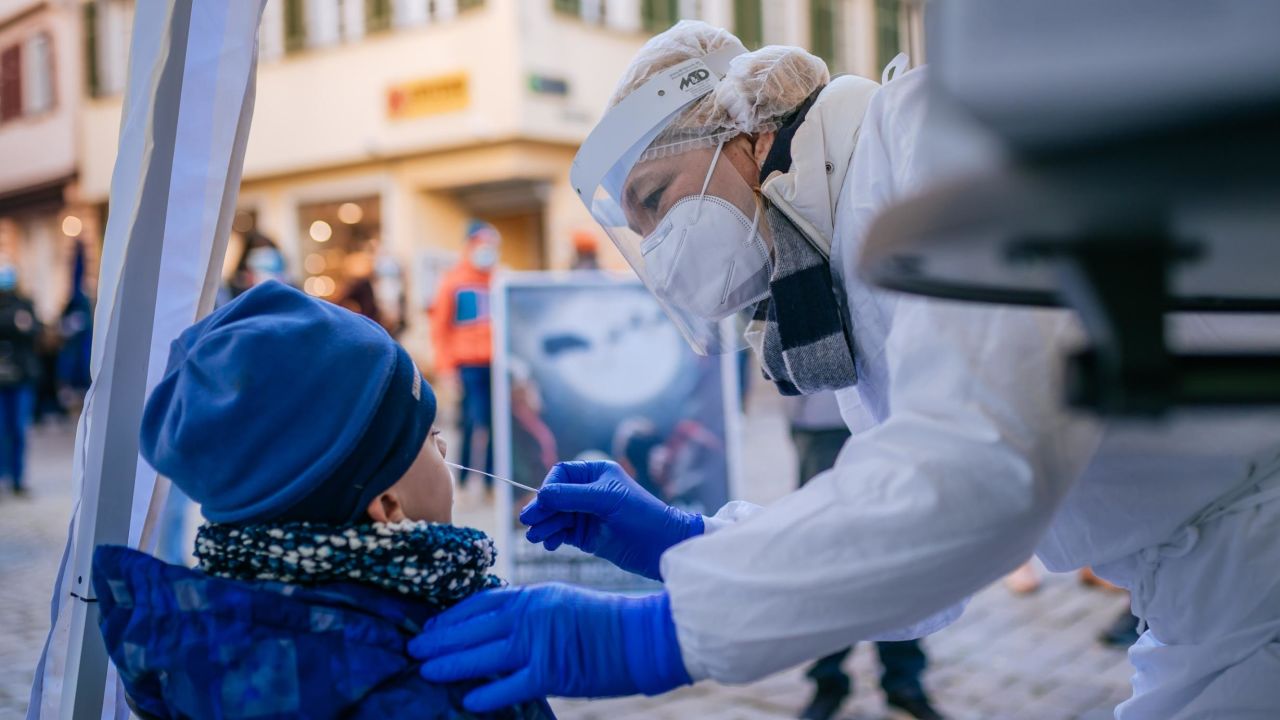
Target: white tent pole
[
  {"x": 117, "y": 414},
  {"x": 173, "y": 199}
]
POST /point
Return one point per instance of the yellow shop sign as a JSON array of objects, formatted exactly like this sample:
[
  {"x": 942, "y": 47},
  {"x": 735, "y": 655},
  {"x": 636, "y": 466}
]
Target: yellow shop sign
[{"x": 428, "y": 96}]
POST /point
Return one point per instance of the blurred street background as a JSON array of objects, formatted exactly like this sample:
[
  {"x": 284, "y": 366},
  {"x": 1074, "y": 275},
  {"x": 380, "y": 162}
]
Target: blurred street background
[{"x": 385, "y": 132}]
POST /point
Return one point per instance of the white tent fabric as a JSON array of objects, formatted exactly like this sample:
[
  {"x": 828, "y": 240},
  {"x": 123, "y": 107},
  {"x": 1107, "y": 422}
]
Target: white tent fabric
[{"x": 185, "y": 124}]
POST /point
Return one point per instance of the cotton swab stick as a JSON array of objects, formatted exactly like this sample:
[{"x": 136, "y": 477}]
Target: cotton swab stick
[{"x": 508, "y": 481}]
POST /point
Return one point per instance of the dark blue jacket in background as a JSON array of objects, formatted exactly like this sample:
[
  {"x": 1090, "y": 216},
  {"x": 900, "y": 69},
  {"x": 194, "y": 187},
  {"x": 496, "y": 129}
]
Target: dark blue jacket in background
[{"x": 189, "y": 645}]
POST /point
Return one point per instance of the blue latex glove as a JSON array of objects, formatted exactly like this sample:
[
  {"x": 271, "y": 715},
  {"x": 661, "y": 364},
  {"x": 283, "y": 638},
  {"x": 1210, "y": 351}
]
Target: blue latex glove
[
  {"x": 599, "y": 509},
  {"x": 552, "y": 640}
]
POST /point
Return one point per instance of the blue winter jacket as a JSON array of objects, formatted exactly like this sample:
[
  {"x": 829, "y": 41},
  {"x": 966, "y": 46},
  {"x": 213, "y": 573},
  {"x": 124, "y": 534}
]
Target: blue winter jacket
[{"x": 190, "y": 645}]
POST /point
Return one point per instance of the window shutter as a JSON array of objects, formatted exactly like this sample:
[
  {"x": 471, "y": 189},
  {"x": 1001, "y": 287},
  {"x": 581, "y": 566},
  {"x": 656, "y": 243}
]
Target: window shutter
[
  {"x": 822, "y": 30},
  {"x": 10, "y": 83},
  {"x": 377, "y": 16},
  {"x": 888, "y": 32},
  {"x": 295, "y": 25},
  {"x": 567, "y": 7},
  {"x": 748, "y": 22},
  {"x": 93, "y": 84},
  {"x": 658, "y": 15}
]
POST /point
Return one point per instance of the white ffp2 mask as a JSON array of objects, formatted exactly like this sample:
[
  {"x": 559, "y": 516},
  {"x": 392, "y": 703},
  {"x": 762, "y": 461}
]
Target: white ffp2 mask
[{"x": 707, "y": 257}]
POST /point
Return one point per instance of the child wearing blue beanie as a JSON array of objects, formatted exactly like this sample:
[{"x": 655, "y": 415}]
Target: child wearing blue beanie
[{"x": 305, "y": 433}]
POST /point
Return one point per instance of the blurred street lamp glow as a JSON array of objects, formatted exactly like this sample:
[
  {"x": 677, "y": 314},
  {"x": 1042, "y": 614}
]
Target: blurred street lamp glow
[
  {"x": 350, "y": 213},
  {"x": 72, "y": 226},
  {"x": 314, "y": 264},
  {"x": 321, "y": 231}
]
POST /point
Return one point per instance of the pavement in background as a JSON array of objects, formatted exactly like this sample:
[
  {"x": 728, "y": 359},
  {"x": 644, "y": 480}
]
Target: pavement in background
[{"x": 1008, "y": 657}]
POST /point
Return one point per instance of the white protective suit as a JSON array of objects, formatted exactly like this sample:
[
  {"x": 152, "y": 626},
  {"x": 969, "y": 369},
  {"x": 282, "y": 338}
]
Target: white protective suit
[{"x": 973, "y": 463}]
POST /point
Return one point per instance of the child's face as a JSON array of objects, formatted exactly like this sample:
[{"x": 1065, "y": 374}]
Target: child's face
[{"x": 425, "y": 492}]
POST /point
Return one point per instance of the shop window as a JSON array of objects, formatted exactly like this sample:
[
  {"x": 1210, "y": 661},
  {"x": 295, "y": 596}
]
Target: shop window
[
  {"x": 10, "y": 83},
  {"x": 748, "y": 22},
  {"x": 822, "y": 30},
  {"x": 340, "y": 246},
  {"x": 38, "y": 80},
  {"x": 377, "y": 15},
  {"x": 888, "y": 33},
  {"x": 658, "y": 15}
]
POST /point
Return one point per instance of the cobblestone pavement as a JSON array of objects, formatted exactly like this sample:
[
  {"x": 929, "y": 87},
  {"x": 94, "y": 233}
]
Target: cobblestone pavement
[
  {"x": 33, "y": 532},
  {"x": 1025, "y": 657}
]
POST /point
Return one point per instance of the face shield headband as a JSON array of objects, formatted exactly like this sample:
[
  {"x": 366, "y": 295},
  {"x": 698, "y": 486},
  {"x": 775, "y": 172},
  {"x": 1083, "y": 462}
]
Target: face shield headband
[{"x": 643, "y": 114}]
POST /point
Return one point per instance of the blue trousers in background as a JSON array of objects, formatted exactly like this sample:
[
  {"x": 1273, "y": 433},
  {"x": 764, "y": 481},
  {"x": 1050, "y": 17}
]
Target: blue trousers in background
[
  {"x": 16, "y": 405},
  {"x": 477, "y": 411}
]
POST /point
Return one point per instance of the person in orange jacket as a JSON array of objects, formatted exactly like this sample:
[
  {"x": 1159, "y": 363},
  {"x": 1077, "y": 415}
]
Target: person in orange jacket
[
  {"x": 586, "y": 255},
  {"x": 461, "y": 335}
]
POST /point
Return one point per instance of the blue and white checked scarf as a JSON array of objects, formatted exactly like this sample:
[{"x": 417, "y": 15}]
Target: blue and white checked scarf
[{"x": 437, "y": 563}]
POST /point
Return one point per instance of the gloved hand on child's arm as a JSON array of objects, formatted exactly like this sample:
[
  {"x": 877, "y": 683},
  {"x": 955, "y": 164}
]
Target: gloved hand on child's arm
[{"x": 552, "y": 640}]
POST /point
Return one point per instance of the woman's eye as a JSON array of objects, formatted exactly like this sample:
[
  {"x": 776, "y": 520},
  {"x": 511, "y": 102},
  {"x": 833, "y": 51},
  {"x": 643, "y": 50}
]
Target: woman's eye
[{"x": 652, "y": 200}]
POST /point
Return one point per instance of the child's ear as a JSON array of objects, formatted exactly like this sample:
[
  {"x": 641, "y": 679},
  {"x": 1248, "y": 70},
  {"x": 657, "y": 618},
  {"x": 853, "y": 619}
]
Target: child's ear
[{"x": 386, "y": 508}]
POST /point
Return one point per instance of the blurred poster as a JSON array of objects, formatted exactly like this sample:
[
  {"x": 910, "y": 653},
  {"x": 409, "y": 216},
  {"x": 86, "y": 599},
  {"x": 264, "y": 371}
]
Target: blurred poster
[{"x": 589, "y": 367}]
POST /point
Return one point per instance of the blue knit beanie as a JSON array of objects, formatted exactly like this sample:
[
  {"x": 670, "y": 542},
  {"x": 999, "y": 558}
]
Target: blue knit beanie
[{"x": 281, "y": 407}]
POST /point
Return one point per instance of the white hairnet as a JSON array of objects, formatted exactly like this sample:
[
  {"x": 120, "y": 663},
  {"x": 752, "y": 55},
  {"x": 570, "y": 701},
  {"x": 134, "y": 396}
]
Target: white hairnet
[
  {"x": 764, "y": 85},
  {"x": 760, "y": 88}
]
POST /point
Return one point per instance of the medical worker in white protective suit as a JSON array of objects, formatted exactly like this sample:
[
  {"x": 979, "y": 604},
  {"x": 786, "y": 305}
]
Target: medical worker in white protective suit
[{"x": 729, "y": 178}]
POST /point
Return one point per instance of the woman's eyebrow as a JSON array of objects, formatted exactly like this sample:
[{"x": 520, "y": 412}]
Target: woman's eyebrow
[{"x": 641, "y": 175}]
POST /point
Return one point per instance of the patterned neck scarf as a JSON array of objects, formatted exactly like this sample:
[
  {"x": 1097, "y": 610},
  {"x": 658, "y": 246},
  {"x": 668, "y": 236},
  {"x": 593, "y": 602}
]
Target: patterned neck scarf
[
  {"x": 798, "y": 332},
  {"x": 436, "y": 563}
]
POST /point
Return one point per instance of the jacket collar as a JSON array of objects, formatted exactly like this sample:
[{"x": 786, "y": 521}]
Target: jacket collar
[{"x": 821, "y": 146}]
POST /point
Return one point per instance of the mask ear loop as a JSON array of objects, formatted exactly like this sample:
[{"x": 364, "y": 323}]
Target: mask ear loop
[
  {"x": 753, "y": 238},
  {"x": 755, "y": 225},
  {"x": 702, "y": 194}
]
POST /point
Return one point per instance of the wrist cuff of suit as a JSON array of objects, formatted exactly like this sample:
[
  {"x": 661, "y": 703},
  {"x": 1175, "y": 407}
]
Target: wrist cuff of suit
[{"x": 652, "y": 648}]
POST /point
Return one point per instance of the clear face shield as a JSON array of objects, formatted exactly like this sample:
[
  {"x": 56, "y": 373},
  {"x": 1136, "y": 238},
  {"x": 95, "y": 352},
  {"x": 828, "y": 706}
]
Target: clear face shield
[{"x": 680, "y": 211}]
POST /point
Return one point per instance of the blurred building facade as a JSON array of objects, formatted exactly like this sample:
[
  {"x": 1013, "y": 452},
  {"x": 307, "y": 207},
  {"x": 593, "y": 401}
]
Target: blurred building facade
[
  {"x": 381, "y": 126},
  {"x": 42, "y": 212}
]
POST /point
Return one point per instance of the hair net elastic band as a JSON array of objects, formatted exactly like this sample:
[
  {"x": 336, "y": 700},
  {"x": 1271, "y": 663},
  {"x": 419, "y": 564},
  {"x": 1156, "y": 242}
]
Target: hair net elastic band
[{"x": 683, "y": 146}]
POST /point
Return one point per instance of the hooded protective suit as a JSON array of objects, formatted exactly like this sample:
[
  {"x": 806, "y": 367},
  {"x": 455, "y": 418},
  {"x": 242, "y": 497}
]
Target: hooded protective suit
[
  {"x": 973, "y": 464},
  {"x": 970, "y": 461}
]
